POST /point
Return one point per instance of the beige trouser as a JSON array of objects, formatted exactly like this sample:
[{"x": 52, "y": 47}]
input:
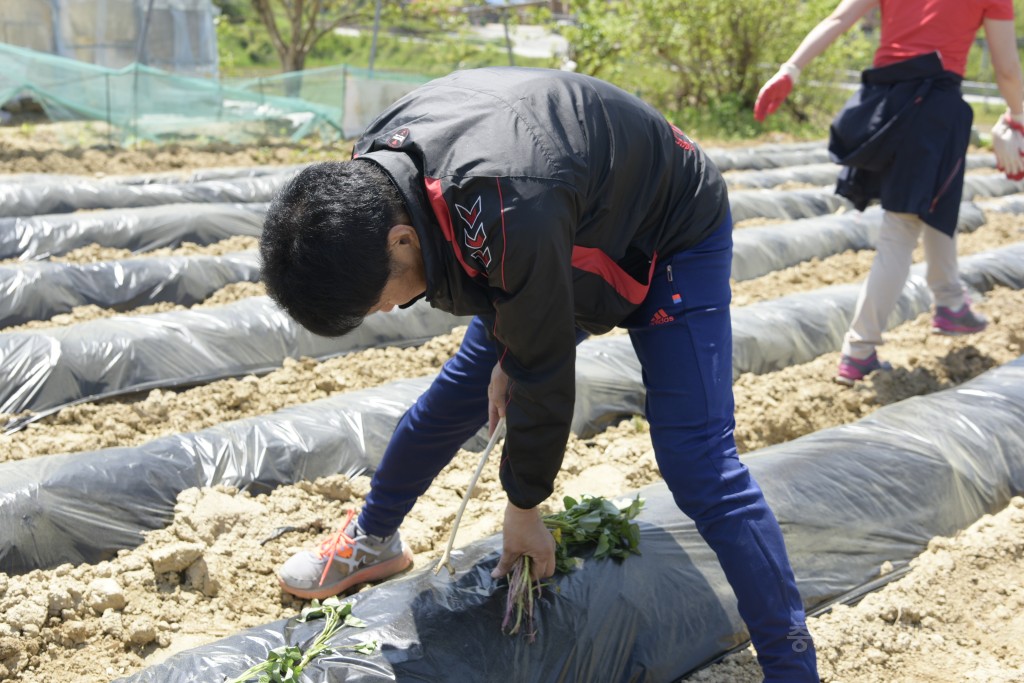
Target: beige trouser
[{"x": 889, "y": 272}]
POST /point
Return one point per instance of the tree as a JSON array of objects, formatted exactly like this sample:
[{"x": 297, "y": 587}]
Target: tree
[
  {"x": 295, "y": 26},
  {"x": 705, "y": 61}
]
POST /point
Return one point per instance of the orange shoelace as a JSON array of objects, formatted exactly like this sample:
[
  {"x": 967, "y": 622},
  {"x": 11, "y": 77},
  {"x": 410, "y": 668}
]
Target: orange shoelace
[{"x": 338, "y": 544}]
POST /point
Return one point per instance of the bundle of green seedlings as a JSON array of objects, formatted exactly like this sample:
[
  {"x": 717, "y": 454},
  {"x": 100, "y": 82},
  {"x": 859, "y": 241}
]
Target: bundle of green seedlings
[
  {"x": 286, "y": 663},
  {"x": 591, "y": 523}
]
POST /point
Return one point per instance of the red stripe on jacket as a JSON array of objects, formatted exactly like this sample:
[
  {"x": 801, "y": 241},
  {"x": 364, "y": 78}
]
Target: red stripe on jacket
[
  {"x": 444, "y": 219},
  {"x": 595, "y": 261}
]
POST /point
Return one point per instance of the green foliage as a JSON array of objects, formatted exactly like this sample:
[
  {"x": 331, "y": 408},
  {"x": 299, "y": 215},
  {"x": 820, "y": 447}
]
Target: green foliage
[
  {"x": 591, "y": 524},
  {"x": 424, "y": 37},
  {"x": 421, "y": 37},
  {"x": 235, "y": 11},
  {"x": 423, "y": 17},
  {"x": 594, "y": 40},
  {"x": 242, "y": 43},
  {"x": 286, "y": 663},
  {"x": 703, "y": 63},
  {"x": 435, "y": 55}
]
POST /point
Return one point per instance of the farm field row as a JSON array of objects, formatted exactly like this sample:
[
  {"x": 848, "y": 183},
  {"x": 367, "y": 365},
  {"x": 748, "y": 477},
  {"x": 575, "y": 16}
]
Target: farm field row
[{"x": 210, "y": 572}]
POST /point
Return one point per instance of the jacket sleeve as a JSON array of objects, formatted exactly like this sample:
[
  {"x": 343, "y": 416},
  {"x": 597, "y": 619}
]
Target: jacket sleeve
[{"x": 529, "y": 271}]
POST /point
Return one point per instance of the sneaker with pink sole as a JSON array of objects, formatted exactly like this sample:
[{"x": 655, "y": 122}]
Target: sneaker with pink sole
[
  {"x": 962, "y": 321},
  {"x": 345, "y": 559},
  {"x": 852, "y": 370}
]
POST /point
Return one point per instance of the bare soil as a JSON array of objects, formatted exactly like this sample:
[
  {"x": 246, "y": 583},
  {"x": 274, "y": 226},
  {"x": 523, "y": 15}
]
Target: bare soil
[
  {"x": 74, "y": 148},
  {"x": 955, "y": 616}
]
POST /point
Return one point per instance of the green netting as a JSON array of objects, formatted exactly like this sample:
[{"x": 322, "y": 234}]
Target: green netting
[
  {"x": 140, "y": 102},
  {"x": 360, "y": 93}
]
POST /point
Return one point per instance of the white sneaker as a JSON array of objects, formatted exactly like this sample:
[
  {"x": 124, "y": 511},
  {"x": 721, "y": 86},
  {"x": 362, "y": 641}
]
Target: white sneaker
[{"x": 347, "y": 558}]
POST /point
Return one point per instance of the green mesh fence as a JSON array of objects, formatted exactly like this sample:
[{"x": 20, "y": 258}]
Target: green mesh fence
[
  {"x": 360, "y": 94},
  {"x": 140, "y": 102}
]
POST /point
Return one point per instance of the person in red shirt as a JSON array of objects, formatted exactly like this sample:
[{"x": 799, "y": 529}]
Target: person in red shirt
[{"x": 913, "y": 163}]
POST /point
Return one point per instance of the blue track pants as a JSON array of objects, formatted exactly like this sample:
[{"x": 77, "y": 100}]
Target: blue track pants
[{"x": 683, "y": 337}]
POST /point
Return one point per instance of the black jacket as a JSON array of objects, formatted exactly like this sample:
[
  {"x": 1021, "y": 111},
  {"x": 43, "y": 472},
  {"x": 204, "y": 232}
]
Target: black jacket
[
  {"x": 542, "y": 200},
  {"x": 903, "y": 139}
]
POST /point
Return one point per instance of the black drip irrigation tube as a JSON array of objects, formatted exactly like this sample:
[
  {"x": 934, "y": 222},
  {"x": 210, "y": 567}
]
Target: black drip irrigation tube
[
  {"x": 848, "y": 498},
  {"x": 42, "y": 525},
  {"x": 143, "y": 229},
  {"x": 38, "y": 291}
]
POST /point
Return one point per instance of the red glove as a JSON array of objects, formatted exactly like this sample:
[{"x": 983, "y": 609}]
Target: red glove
[{"x": 775, "y": 91}]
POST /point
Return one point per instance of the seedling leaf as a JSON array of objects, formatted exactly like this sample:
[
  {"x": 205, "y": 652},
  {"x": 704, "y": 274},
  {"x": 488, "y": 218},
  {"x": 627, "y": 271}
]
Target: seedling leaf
[
  {"x": 284, "y": 664},
  {"x": 589, "y": 523}
]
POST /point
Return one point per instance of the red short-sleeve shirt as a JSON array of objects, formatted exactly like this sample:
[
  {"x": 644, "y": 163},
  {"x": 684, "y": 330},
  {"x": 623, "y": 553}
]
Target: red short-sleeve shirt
[{"x": 917, "y": 27}]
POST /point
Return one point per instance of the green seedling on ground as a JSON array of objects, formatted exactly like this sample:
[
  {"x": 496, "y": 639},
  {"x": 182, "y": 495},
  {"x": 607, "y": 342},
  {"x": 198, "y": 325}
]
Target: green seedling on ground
[{"x": 285, "y": 663}]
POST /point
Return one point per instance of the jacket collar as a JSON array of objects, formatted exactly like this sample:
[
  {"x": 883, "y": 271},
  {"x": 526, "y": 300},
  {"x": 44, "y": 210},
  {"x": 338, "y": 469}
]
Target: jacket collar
[{"x": 403, "y": 172}]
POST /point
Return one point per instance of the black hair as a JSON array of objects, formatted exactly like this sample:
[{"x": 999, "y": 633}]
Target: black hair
[{"x": 323, "y": 251}]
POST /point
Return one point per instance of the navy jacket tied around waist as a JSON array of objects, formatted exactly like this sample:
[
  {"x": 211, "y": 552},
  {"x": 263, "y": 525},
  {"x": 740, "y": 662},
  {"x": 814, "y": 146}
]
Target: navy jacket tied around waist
[{"x": 902, "y": 138}]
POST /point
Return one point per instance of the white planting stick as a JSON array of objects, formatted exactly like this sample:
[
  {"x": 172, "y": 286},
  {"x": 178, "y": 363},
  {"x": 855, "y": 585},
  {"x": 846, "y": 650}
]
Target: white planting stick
[{"x": 446, "y": 560}]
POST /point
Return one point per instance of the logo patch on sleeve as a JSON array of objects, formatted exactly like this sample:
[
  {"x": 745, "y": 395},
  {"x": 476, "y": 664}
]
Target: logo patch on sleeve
[
  {"x": 681, "y": 139},
  {"x": 473, "y": 231},
  {"x": 398, "y": 138}
]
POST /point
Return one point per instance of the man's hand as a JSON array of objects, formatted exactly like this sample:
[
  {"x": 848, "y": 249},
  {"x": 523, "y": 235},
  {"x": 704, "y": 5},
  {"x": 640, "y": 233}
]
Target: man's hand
[
  {"x": 497, "y": 397},
  {"x": 1008, "y": 144},
  {"x": 775, "y": 91},
  {"x": 525, "y": 534}
]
